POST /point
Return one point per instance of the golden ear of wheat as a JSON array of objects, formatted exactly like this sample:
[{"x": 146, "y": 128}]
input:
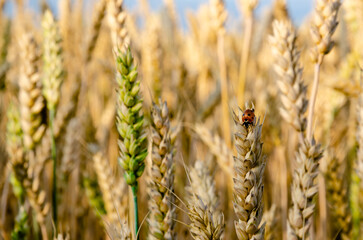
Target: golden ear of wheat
[
  {"x": 338, "y": 197},
  {"x": 161, "y": 176},
  {"x": 304, "y": 189},
  {"x": 53, "y": 71},
  {"x": 287, "y": 67},
  {"x": 324, "y": 24},
  {"x": 31, "y": 100},
  {"x": 207, "y": 222},
  {"x": 249, "y": 166}
]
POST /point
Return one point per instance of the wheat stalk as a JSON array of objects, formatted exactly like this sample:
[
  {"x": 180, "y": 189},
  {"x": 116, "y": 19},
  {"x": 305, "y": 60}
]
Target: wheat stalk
[
  {"x": 324, "y": 25},
  {"x": 65, "y": 113},
  {"x": 52, "y": 81},
  {"x": 98, "y": 17},
  {"x": 4, "y": 64},
  {"x": 71, "y": 148},
  {"x": 249, "y": 166},
  {"x": 151, "y": 56},
  {"x": 161, "y": 176},
  {"x": 219, "y": 16},
  {"x": 248, "y": 7}
]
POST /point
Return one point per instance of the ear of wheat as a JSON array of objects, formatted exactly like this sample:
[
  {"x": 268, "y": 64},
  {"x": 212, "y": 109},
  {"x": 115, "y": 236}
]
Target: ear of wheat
[
  {"x": 30, "y": 95},
  {"x": 53, "y": 61},
  {"x": 249, "y": 165},
  {"x": 130, "y": 119},
  {"x": 290, "y": 83},
  {"x": 161, "y": 176},
  {"x": 130, "y": 124},
  {"x": 96, "y": 27},
  {"x": 338, "y": 196},
  {"x": 303, "y": 190},
  {"x": 23, "y": 163},
  {"x": 324, "y": 24},
  {"x": 114, "y": 192},
  {"x": 207, "y": 222},
  {"x": 117, "y": 19},
  {"x": 203, "y": 185}
]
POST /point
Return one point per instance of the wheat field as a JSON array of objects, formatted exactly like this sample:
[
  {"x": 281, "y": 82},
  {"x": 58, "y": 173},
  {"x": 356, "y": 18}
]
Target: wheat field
[{"x": 120, "y": 123}]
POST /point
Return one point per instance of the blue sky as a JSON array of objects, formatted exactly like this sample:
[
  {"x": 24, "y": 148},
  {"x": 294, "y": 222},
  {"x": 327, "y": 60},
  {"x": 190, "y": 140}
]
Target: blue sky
[{"x": 298, "y": 9}]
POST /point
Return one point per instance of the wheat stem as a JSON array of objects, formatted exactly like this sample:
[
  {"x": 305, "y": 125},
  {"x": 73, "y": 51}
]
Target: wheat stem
[
  {"x": 136, "y": 209},
  {"x": 54, "y": 159},
  {"x": 244, "y": 59},
  {"x": 314, "y": 93}
]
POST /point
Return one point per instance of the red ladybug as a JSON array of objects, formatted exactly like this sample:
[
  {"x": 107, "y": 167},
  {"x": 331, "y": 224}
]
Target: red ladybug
[{"x": 248, "y": 117}]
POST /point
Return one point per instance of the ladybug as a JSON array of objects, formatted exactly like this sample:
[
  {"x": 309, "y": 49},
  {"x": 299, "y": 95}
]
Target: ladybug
[{"x": 248, "y": 117}]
